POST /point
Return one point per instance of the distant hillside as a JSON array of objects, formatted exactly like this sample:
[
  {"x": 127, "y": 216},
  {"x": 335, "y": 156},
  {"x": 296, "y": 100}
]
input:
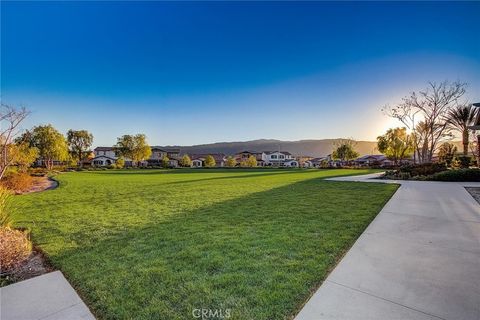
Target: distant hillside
[{"x": 315, "y": 148}]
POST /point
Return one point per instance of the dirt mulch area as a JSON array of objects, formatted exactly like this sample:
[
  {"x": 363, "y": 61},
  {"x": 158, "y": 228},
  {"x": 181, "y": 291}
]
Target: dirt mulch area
[
  {"x": 40, "y": 184},
  {"x": 35, "y": 265},
  {"x": 18, "y": 258},
  {"x": 475, "y": 192}
]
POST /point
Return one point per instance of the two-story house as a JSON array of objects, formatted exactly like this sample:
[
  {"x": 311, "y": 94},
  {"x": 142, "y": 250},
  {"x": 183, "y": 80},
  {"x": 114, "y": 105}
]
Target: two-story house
[
  {"x": 280, "y": 159},
  {"x": 244, "y": 155},
  {"x": 158, "y": 153},
  {"x": 104, "y": 156}
]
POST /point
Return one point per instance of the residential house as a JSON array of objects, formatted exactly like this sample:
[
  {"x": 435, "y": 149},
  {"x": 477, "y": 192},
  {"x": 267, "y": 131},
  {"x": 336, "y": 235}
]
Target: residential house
[
  {"x": 158, "y": 153},
  {"x": 244, "y": 155},
  {"x": 315, "y": 162},
  {"x": 198, "y": 160},
  {"x": 269, "y": 158},
  {"x": 302, "y": 159},
  {"x": 375, "y": 160},
  {"x": 279, "y": 159},
  {"x": 326, "y": 161},
  {"x": 104, "y": 156}
]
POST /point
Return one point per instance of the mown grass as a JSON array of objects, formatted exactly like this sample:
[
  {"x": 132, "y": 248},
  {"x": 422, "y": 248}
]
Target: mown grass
[{"x": 157, "y": 244}]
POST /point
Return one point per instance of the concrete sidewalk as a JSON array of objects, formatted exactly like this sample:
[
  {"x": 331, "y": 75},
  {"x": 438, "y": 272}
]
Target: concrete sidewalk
[
  {"x": 47, "y": 297},
  {"x": 418, "y": 259}
]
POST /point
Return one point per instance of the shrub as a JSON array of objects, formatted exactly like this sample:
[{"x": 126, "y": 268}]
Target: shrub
[
  {"x": 465, "y": 175},
  {"x": 18, "y": 182},
  {"x": 120, "y": 163},
  {"x": 424, "y": 169},
  {"x": 464, "y": 161},
  {"x": 14, "y": 248}
]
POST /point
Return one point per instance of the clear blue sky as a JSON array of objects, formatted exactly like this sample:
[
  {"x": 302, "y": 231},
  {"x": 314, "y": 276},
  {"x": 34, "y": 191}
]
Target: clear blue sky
[{"x": 188, "y": 73}]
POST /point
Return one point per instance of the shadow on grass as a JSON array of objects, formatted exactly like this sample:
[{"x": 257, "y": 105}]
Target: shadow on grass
[
  {"x": 243, "y": 176},
  {"x": 259, "y": 255}
]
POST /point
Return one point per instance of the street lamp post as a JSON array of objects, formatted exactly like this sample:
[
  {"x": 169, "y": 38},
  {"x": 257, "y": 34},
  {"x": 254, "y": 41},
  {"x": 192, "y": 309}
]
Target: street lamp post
[{"x": 476, "y": 127}]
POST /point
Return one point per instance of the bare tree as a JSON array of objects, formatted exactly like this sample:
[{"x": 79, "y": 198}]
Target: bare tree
[
  {"x": 429, "y": 108},
  {"x": 10, "y": 119}
]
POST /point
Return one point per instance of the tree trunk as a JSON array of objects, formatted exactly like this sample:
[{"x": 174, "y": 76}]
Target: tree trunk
[
  {"x": 2, "y": 172},
  {"x": 465, "y": 142}
]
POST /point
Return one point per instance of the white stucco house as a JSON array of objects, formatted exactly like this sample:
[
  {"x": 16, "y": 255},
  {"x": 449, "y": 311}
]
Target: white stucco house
[
  {"x": 269, "y": 158},
  {"x": 279, "y": 159},
  {"x": 104, "y": 156},
  {"x": 197, "y": 163}
]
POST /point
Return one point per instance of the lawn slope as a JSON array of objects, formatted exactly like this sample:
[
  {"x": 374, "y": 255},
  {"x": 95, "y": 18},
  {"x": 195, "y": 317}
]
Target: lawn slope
[{"x": 157, "y": 244}]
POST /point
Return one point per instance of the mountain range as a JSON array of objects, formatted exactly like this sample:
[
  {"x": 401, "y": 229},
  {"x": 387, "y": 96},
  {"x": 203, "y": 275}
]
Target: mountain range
[{"x": 314, "y": 148}]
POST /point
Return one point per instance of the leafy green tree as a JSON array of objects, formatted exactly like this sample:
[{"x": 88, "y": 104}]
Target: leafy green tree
[
  {"x": 460, "y": 119},
  {"x": 50, "y": 143},
  {"x": 210, "y": 161},
  {"x": 165, "y": 162},
  {"x": 134, "y": 147},
  {"x": 231, "y": 162},
  {"x": 72, "y": 161},
  {"x": 186, "y": 161},
  {"x": 345, "y": 150},
  {"x": 79, "y": 142},
  {"x": 447, "y": 152},
  {"x": 120, "y": 163},
  {"x": 22, "y": 155},
  {"x": 251, "y": 162},
  {"x": 396, "y": 144}
]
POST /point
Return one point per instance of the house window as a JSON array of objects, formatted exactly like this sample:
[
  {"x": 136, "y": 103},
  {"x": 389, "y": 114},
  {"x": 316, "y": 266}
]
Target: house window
[
  {"x": 281, "y": 156},
  {"x": 273, "y": 156}
]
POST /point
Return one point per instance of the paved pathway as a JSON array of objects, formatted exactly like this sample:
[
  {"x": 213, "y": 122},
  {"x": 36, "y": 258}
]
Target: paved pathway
[
  {"x": 418, "y": 259},
  {"x": 47, "y": 297}
]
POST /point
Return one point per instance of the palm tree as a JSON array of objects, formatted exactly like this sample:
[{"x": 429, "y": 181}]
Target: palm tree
[{"x": 460, "y": 119}]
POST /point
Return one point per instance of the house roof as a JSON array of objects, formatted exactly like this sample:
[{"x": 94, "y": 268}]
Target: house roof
[
  {"x": 375, "y": 157},
  {"x": 282, "y": 152},
  {"x": 104, "y": 149},
  {"x": 250, "y": 151},
  {"x": 168, "y": 150}
]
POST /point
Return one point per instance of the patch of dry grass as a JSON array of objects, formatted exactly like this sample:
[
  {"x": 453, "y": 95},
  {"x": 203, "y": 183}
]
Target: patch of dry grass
[{"x": 15, "y": 247}]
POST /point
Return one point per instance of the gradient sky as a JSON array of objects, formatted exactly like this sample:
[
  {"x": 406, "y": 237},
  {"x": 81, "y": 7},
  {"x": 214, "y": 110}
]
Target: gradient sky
[{"x": 189, "y": 73}]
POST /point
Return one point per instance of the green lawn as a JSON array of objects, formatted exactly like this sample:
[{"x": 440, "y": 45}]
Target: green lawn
[{"x": 156, "y": 244}]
